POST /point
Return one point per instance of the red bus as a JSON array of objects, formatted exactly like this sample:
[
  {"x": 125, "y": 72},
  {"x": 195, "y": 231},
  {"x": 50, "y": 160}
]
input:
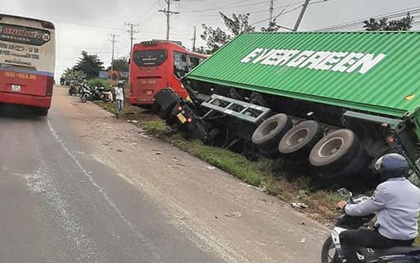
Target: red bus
[
  {"x": 27, "y": 62},
  {"x": 159, "y": 64}
]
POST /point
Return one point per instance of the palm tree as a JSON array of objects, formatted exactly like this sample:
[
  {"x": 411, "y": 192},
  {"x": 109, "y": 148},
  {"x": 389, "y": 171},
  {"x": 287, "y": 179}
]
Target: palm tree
[{"x": 90, "y": 65}]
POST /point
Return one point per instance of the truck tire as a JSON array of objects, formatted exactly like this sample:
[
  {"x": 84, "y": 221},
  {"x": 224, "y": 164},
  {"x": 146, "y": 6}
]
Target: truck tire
[
  {"x": 297, "y": 143},
  {"x": 334, "y": 151},
  {"x": 211, "y": 135},
  {"x": 353, "y": 168},
  {"x": 269, "y": 133}
]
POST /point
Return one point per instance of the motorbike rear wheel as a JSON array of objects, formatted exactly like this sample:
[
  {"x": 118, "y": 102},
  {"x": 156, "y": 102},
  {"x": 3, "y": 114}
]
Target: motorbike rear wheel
[{"x": 328, "y": 252}]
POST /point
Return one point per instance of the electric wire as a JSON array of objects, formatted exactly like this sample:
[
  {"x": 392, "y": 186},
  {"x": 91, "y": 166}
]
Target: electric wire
[{"x": 357, "y": 23}]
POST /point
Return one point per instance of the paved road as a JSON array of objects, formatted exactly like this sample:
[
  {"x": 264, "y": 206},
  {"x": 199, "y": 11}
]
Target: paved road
[{"x": 68, "y": 193}]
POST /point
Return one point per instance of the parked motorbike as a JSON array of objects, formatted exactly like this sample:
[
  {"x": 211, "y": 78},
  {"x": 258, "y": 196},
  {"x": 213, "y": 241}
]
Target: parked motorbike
[
  {"x": 331, "y": 249},
  {"x": 99, "y": 93},
  {"x": 85, "y": 94}
]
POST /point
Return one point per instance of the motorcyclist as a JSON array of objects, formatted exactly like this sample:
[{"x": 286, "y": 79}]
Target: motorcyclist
[{"x": 397, "y": 204}]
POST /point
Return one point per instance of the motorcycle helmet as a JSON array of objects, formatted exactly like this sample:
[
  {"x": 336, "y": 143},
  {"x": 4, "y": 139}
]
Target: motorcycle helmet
[{"x": 391, "y": 165}]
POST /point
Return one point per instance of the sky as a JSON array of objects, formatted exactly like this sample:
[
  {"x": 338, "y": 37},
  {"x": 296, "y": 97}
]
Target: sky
[{"x": 87, "y": 25}]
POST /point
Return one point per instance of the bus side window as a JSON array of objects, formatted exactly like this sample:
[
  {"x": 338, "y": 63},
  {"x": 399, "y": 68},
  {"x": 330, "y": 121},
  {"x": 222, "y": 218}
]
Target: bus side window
[
  {"x": 180, "y": 64},
  {"x": 194, "y": 61}
]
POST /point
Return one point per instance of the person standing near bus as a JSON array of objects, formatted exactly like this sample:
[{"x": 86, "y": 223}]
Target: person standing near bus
[{"x": 119, "y": 98}]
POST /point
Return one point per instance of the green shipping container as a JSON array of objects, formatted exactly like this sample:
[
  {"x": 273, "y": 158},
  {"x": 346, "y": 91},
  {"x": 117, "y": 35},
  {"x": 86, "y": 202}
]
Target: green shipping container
[{"x": 374, "y": 72}]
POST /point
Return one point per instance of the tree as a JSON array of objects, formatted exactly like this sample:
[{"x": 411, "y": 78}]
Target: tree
[
  {"x": 383, "y": 24},
  {"x": 90, "y": 65},
  {"x": 120, "y": 64},
  {"x": 203, "y": 50},
  {"x": 238, "y": 24},
  {"x": 74, "y": 75},
  {"x": 215, "y": 38}
]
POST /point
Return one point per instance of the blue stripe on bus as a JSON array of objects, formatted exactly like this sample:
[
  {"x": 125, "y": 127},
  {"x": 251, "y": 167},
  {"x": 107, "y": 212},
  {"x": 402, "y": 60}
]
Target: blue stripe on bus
[{"x": 29, "y": 71}]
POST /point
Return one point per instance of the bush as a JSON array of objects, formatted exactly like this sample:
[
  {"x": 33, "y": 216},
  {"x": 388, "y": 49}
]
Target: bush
[{"x": 99, "y": 82}]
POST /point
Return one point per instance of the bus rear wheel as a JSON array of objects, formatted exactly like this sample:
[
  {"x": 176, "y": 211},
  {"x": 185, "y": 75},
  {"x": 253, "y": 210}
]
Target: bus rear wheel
[{"x": 42, "y": 112}]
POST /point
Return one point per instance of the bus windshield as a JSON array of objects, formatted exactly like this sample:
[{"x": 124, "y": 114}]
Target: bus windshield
[{"x": 150, "y": 57}]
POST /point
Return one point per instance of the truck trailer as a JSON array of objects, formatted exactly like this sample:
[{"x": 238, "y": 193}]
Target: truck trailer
[{"x": 333, "y": 101}]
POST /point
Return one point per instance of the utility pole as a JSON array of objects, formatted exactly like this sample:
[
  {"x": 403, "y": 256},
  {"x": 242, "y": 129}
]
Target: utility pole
[
  {"x": 194, "y": 38},
  {"x": 168, "y": 13},
  {"x": 270, "y": 20},
  {"x": 302, "y": 12},
  {"x": 132, "y": 32},
  {"x": 304, "y": 6},
  {"x": 113, "y": 36}
]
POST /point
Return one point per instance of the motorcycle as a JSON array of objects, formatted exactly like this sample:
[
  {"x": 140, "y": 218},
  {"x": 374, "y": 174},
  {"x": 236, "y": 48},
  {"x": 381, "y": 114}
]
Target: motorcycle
[
  {"x": 331, "y": 249},
  {"x": 99, "y": 93},
  {"x": 86, "y": 94}
]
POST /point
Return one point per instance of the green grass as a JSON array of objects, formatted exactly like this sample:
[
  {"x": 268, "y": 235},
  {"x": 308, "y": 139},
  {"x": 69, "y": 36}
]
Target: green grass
[
  {"x": 228, "y": 161},
  {"x": 156, "y": 127}
]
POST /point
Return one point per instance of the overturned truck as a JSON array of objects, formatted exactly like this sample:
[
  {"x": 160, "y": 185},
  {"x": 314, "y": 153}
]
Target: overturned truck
[{"x": 333, "y": 102}]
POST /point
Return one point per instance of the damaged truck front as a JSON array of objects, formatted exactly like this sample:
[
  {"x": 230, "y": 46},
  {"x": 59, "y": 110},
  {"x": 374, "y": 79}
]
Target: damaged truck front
[{"x": 332, "y": 102}]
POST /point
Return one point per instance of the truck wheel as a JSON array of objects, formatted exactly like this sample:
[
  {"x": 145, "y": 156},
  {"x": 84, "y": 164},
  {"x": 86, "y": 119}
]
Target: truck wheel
[
  {"x": 269, "y": 133},
  {"x": 352, "y": 169},
  {"x": 297, "y": 143},
  {"x": 211, "y": 135},
  {"x": 335, "y": 150}
]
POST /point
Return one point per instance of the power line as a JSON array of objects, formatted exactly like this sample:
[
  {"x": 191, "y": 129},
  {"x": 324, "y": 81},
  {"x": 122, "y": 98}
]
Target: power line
[
  {"x": 280, "y": 14},
  {"x": 89, "y": 25},
  {"x": 144, "y": 16},
  {"x": 356, "y": 23},
  {"x": 231, "y": 5}
]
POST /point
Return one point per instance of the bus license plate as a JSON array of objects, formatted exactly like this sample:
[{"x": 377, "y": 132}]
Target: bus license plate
[
  {"x": 16, "y": 88},
  {"x": 181, "y": 118}
]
